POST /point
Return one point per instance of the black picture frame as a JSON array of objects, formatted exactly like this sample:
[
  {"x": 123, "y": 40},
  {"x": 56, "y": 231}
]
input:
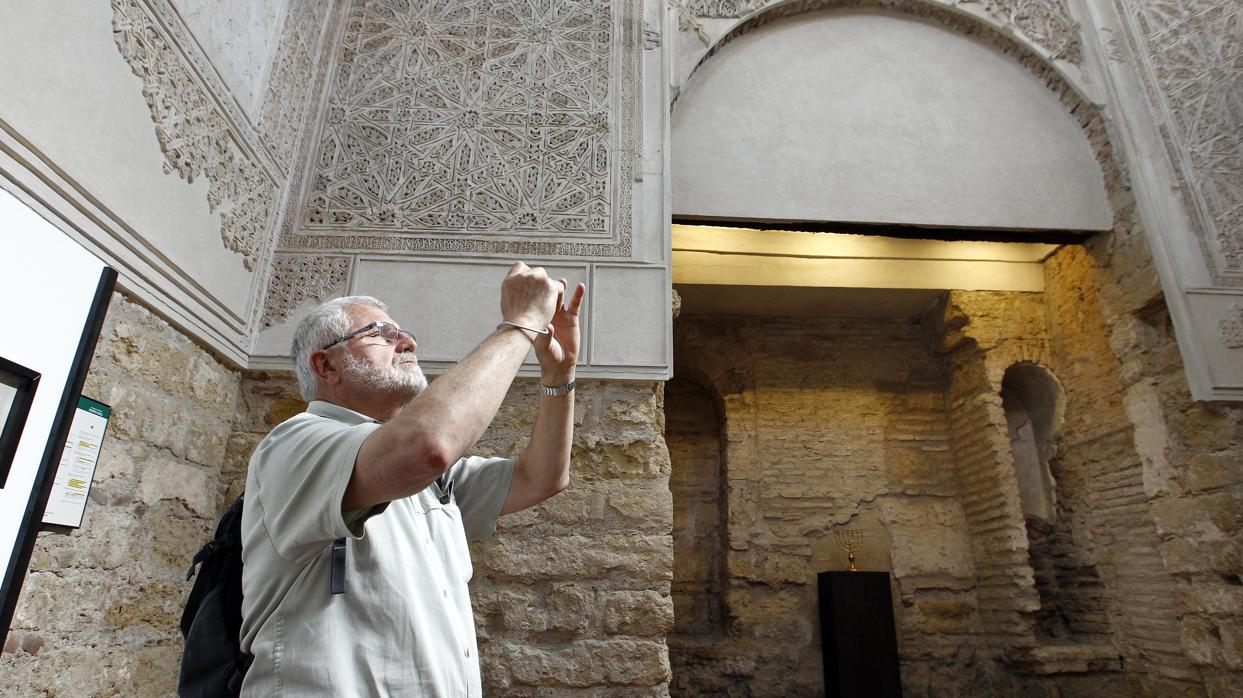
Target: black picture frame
[{"x": 13, "y": 419}]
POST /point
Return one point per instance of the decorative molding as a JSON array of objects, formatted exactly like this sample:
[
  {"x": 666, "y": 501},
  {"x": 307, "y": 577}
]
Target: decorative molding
[
  {"x": 504, "y": 127},
  {"x": 1231, "y": 327},
  {"x": 194, "y": 133},
  {"x": 1046, "y": 22},
  {"x": 286, "y": 93},
  {"x": 1190, "y": 53},
  {"x": 296, "y": 279}
]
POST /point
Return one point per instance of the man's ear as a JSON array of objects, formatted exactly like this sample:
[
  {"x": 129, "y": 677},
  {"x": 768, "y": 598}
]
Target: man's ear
[{"x": 326, "y": 367}]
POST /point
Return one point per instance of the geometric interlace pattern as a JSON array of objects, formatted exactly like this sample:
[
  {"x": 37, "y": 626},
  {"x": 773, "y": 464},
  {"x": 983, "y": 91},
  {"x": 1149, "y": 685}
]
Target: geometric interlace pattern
[{"x": 479, "y": 116}]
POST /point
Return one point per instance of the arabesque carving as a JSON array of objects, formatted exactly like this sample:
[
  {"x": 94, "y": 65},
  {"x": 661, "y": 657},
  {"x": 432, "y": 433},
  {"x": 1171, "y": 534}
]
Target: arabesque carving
[
  {"x": 287, "y": 92},
  {"x": 296, "y": 279},
  {"x": 1231, "y": 327},
  {"x": 1046, "y": 23},
  {"x": 193, "y": 134},
  {"x": 1194, "y": 50},
  {"x": 494, "y": 126}
]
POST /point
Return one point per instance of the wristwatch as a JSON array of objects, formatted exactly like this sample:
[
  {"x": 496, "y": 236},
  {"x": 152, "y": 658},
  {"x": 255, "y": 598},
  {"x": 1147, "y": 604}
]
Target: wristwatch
[{"x": 558, "y": 390}]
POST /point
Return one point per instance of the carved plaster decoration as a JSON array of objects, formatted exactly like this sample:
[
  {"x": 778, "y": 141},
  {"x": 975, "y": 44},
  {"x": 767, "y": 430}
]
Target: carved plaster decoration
[
  {"x": 478, "y": 126},
  {"x": 296, "y": 279},
  {"x": 1231, "y": 327},
  {"x": 1046, "y": 22},
  {"x": 1191, "y": 53},
  {"x": 287, "y": 92},
  {"x": 196, "y": 137}
]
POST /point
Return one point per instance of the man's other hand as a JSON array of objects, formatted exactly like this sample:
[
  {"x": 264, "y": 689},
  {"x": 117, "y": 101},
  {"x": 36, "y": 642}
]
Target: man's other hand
[{"x": 557, "y": 351}]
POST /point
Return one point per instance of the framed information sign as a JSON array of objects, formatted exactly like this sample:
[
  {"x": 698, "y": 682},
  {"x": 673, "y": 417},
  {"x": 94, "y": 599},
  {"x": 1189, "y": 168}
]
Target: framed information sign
[{"x": 76, "y": 471}]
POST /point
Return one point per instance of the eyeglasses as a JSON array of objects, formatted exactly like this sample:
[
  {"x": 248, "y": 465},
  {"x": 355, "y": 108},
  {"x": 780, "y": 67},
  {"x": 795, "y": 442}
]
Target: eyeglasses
[{"x": 384, "y": 330}]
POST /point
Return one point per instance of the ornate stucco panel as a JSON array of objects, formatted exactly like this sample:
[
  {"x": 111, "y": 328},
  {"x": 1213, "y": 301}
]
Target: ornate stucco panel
[
  {"x": 504, "y": 127},
  {"x": 286, "y": 94},
  {"x": 198, "y": 136},
  {"x": 1190, "y": 56}
]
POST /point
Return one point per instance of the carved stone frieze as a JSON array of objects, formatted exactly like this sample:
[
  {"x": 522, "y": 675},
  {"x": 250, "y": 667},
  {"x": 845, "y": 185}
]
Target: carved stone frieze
[
  {"x": 287, "y": 93},
  {"x": 196, "y": 137},
  {"x": 296, "y": 279},
  {"x": 1231, "y": 327},
  {"x": 473, "y": 126},
  {"x": 1193, "y": 55},
  {"x": 1047, "y": 23}
]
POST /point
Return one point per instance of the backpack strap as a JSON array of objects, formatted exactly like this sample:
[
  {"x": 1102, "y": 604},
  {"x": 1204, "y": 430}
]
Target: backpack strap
[{"x": 338, "y": 566}]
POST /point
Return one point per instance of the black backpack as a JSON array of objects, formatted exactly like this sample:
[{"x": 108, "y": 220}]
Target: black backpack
[{"x": 212, "y": 663}]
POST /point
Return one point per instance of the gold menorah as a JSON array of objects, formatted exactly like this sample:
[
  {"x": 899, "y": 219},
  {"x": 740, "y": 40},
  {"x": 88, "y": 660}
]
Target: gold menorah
[{"x": 849, "y": 540}]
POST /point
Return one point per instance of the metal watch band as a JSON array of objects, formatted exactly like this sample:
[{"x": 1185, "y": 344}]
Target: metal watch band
[{"x": 558, "y": 390}]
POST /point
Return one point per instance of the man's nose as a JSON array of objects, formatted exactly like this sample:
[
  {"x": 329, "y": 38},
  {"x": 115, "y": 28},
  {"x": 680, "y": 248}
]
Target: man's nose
[{"x": 405, "y": 343}]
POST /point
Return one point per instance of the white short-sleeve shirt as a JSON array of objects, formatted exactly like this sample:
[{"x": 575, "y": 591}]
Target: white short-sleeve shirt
[{"x": 404, "y": 626}]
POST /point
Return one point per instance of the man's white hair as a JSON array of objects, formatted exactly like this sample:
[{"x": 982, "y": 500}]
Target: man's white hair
[{"x": 328, "y": 322}]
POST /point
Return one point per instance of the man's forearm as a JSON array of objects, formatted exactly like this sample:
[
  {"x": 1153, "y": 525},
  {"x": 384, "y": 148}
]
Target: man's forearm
[
  {"x": 432, "y": 432},
  {"x": 544, "y": 465}
]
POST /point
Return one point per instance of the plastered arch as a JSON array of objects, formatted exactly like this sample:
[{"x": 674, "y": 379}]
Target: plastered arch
[{"x": 1062, "y": 78}]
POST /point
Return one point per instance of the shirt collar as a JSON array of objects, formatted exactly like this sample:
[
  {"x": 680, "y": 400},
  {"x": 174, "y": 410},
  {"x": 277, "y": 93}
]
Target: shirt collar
[{"x": 323, "y": 408}]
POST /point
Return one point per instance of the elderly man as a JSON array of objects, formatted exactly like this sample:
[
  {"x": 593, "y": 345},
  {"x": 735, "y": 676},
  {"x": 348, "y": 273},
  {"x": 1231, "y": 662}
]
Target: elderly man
[{"x": 358, "y": 510}]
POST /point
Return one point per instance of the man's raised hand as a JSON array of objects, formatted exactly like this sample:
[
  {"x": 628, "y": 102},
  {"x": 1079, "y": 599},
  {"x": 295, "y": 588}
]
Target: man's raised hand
[{"x": 557, "y": 351}]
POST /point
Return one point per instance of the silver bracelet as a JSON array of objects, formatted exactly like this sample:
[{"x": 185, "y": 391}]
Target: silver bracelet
[
  {"x": 507, "y": 323},
  {"x": 558, "y": 390}
]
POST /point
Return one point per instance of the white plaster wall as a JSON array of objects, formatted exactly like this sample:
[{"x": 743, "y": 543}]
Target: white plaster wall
[
  {"x": 70, "y": 96},
  {"x": 871, "y": 116},
  {"x": 239, "y": 37}
]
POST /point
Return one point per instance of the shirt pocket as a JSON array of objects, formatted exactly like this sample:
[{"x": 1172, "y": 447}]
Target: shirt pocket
[
  {"x": 443, "y": 522},
  {"x": 446, "y": 523}
]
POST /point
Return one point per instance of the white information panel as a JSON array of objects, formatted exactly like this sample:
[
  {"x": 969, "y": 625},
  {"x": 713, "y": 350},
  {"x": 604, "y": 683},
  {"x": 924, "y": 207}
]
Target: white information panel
[
  {"x": 76, "y": 471},
  {"x": 54, "y": 293}
]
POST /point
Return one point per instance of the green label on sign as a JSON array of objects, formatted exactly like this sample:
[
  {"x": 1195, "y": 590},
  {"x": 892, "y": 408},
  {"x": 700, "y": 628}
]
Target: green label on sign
[{"x": 94, "y": 406}]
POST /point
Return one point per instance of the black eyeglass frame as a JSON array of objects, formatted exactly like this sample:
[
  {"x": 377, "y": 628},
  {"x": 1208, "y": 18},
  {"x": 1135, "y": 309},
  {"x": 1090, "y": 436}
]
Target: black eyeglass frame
[{"x": 379, "y": 325}]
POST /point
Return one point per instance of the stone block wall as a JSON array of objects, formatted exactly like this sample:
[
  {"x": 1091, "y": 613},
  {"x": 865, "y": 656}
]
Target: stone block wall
[
  {"x": 571, "y": 597},
  {"x": 99, "y": 609},
  {"x": 826, "y": 423},
  {"x": 693, "y": 434},
  {"x": 1188, "y": 464}
]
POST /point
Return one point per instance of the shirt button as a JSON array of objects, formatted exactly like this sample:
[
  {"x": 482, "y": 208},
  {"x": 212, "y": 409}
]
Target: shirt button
[
  {"x": 445, "y": 592},
  {"x": 466, "y": 651}
]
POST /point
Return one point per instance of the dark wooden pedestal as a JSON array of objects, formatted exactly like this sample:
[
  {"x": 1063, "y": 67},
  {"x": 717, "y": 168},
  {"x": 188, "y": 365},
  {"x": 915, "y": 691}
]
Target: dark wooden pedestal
[{"x": 857, "y": 636}]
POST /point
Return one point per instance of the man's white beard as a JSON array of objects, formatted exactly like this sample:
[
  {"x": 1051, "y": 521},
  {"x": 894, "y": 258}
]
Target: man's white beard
[{"x": 403, "y": 376}]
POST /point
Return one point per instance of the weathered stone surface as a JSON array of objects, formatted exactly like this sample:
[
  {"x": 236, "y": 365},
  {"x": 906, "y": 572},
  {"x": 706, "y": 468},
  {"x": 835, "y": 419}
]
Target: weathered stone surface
[
  {"x": 61, "y": 603},
  {"x": 194, "y": 486},
  {"x": 641, "y": 613},
  {"x": 927, "y": 537},
  {"x": 592, "y": 663},
  {"x": 151, "y": 675},
  {"x": 105, "y": 541},
  {"x": 1209, "y": 471},
  {"x": 640, "y": 506},
  {"x": 580, "y": 557}
]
